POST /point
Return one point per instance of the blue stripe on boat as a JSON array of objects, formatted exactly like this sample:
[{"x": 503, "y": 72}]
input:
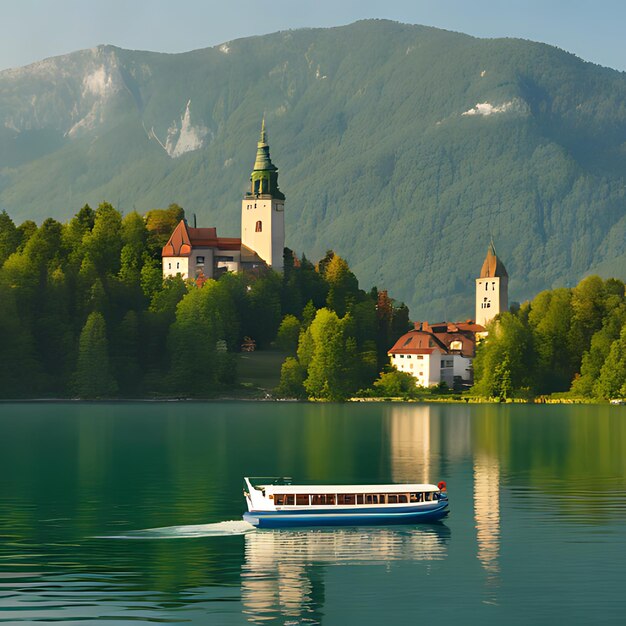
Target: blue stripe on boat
[{"x": 346, "y": 517}]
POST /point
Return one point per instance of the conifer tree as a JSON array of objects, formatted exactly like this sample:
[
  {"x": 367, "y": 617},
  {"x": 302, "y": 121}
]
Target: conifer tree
[{"x": 93, "y": 378}]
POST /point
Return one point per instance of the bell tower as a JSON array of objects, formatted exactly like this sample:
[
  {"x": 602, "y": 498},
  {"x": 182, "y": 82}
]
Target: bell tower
[
  {"x": 492, "y": 288},
  {"x": 263, "y": 209}
]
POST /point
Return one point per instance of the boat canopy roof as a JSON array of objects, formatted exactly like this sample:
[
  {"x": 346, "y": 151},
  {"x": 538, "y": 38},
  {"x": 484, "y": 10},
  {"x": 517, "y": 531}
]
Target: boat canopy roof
[{"x": 321, "y": 489}]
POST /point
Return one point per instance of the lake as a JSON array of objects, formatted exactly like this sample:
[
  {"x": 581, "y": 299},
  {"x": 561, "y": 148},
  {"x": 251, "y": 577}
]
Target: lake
[{"x": 129, "y": 513}]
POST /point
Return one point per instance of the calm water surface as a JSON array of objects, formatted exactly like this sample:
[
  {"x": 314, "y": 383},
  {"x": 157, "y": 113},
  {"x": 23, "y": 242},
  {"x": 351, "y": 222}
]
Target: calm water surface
[{"x": 129, "y": 513}]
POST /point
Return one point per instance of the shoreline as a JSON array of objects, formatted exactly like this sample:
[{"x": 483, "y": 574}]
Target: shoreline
[{"x": 388, "y": 400}]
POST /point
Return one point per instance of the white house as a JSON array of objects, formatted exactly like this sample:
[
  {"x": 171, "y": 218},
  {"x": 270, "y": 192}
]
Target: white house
[{"x": 435, "y": 353}]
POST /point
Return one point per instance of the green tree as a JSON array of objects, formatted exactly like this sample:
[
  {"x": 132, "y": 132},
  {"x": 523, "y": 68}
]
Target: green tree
[
  {"x": 612, "y": 379},
  {"x": 160, "y": 224},
  {"x": 328, "y": 371},
  {"x": 510, "y": 341},
  {"x": 9, "y": 237},
  {"x": 395, "y": 384},
  {"x": 502, "y": 383},
  {"x": 196, "y": 364},
  {"x": 104, "y": 242},
  {"x": 93, "y": 378},
  {"x": 343, "y": 285},
  {"x": 288, "y": 334},
  {"x": 291, "y": 380}
]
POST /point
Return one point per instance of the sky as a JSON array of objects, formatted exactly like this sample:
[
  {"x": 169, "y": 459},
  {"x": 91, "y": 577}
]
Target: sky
[{"x": 31, "y": 30}]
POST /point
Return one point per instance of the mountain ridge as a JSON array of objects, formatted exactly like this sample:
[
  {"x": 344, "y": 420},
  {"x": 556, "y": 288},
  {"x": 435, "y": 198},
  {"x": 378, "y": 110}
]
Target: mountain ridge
[{"x": 431, "y": 141}]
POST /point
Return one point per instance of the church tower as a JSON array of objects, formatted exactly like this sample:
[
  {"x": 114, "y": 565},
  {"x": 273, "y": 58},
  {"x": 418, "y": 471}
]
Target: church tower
[
  {"x": 492, "y": 288},
  {"x": 263, "y": 209}
]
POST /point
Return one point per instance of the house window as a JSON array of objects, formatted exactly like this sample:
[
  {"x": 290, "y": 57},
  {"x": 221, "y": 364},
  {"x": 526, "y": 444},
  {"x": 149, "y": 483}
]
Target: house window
[
  {"x": 169, "y": 266},
  {"x": 259, "y": 227},
  {"x": 177, "y": 265},
  {"x": 420, "y": 357},
  {"x": 199, "y": 260}
]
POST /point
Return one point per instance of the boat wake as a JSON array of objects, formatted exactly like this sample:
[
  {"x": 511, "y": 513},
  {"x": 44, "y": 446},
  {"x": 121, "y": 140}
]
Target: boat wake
[{"x": 219, "y": 529}]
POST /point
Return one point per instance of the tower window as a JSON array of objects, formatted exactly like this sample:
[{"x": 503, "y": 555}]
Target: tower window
[
  {"x": 259, "y": 227},
  {"x": 256, "y": 186}
]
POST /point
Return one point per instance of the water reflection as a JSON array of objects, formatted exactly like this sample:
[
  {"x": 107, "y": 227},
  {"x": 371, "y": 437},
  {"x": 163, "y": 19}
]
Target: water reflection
[
  {"x": 487, "y": 516},
  {"x": 283, "y": 575},
  {"x": 409, "y": 443},
  {"x": 418, "y": 439}
]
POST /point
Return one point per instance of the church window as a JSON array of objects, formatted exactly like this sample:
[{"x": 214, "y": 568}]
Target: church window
[
  {"x": 259, "y": 227},
  {"x": 169, "y": 266},
  {"x": 493, "y": 286},
  {"x": 256, "y": 186},
  {"x": 486, "y": 286}
]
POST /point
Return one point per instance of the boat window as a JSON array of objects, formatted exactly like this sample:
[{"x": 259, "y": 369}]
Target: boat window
[
  {"x": 392, "y": 498},
  {"x": 403, "y": 498},
  {"x": 427, "y": 496},
  {"x": 359, "y": 498},
  {"x": 345, "y": 498},
  {"x": 279, "y": 499},
  {"x": 302, "y": 499},
  {"x": 289, "y": 499},
  {"x": 371, "y": 499},
  {"x": 323, "y": 499},
  {"x": 381, "y": 498},
  {"x": 413, "y": 497}
]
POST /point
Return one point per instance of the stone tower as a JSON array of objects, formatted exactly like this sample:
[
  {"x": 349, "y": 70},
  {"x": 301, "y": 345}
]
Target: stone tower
[
  {"x": 492, "y": 288},
  {"x": 263, "y": 209}
]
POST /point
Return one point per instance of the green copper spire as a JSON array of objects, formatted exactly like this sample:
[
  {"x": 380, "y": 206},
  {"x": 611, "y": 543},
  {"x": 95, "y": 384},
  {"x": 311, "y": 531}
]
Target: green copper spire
[{"x": 264, "y": 174}]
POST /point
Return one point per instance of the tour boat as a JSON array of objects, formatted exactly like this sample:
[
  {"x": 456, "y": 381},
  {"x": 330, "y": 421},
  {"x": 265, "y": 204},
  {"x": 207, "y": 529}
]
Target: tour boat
[{"x": 281, "y": 504}]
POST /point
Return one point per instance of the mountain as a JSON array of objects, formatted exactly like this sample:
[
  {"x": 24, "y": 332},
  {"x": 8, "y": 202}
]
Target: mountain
[{"x": 404, "y": 148}]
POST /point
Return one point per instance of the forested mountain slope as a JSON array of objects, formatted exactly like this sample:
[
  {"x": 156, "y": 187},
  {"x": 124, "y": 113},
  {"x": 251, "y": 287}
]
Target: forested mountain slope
[{"x": 404, "y": 148}]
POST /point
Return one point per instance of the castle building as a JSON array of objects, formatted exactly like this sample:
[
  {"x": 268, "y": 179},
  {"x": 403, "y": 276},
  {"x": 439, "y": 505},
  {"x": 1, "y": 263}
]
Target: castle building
[
  {"x": 492, "y": 288},
  {"x": 198, "y": 253}
]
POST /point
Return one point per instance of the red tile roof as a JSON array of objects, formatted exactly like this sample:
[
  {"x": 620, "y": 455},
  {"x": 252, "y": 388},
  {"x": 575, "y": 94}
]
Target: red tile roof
[
  {"x": 417, "y": 342},
  {"x": 184, "y": 238}
]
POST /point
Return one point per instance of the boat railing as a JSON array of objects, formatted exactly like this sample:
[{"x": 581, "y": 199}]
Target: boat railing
[{"x": 270, "y": 480}]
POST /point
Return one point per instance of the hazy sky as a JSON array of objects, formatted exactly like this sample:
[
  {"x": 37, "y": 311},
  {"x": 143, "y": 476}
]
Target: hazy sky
[{"x": 34, "y": 29}]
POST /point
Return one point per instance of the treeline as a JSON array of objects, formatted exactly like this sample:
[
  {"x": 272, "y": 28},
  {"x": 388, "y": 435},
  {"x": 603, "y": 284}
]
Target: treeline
[
  {"x": 85, "y": 312},
  {"x": 563, "y": 340}
]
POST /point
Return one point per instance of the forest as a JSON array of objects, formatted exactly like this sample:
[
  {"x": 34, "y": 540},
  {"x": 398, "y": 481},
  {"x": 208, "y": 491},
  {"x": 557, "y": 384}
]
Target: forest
[
  {"x": 85, "y": 313},
  {"x": 564, "y": 341}
]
